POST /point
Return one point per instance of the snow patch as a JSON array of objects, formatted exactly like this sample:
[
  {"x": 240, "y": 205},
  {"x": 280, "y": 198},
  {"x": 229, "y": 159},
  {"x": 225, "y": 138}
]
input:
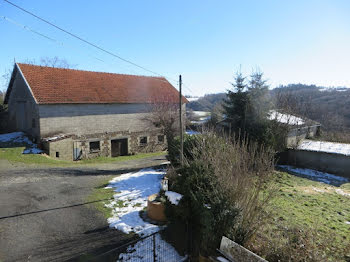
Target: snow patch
[
  {"x": 191, "y": 132},
  {"x": 141, "y": 252},
  {"x": 192, "y": 99},
  {"x": 21, "y": 138},
  {"x": 341, "y": 192},
  {"x": 316, "y": 175},
  {"x": 327, "y": 147},
  {"x": 173, "y": 197},
  {"x": 132, "y": 191},
  {"x": 285, "y": 118}
]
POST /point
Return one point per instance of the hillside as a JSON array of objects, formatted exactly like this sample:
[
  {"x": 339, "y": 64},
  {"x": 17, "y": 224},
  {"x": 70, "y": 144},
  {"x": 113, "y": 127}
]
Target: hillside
[
  {"x": 329, "y": 106},
  {"x": 207, "y": 102}
]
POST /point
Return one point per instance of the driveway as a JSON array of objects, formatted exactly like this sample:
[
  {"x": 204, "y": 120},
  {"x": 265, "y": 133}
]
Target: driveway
[{"x": 44, "y": 215}]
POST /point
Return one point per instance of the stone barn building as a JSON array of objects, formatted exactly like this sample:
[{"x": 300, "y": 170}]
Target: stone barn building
[{"x": 79, "y": 114}]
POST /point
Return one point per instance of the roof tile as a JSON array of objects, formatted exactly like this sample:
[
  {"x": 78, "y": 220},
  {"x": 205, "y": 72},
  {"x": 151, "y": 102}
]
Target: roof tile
[{"x": 69, "y": 86}]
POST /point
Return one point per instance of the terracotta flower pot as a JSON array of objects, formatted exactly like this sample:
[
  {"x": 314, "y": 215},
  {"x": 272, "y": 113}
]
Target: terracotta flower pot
[{"x": 155, "y": 209}]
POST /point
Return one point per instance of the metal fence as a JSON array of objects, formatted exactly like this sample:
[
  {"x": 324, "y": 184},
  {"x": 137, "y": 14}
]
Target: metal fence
[{"x": 152, "y": 248}]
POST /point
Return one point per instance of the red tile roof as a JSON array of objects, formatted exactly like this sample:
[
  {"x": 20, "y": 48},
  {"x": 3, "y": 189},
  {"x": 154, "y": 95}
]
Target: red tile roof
[{"x": 68, "y": 86}]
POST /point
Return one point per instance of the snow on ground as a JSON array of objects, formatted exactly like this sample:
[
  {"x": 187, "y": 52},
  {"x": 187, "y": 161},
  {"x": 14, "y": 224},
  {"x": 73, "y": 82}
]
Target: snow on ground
[
  {"x": 316, "y": 175},
  {"x": 285, "y": 118},
  {"x": 191, "y": 132},
  {"x": 20, "y": 138},
  {"x": 200, "y": 113},
  {"x": 131, "y": 193},
  {"x": 330, "y": 89},
  {"x": 143, "y": 251},
  {"x": 328, "y": 147},
  {"x": 173, "y": 197},
  {"x": 192, "y": 99}
]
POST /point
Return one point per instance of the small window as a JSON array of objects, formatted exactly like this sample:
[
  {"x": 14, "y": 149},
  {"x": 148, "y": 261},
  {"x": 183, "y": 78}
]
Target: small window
[
  {"x": 57, "y": 154},
  {"x": 95, "y": 146},
  {"x": 160, "y": 139},
  {"x": 33, "y": 123},
  {"x": 143, "y": 140}
]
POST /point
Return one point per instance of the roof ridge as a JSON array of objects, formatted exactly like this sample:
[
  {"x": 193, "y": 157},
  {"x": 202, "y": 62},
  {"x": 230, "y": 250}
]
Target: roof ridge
[{"x": 99, "y": 72}]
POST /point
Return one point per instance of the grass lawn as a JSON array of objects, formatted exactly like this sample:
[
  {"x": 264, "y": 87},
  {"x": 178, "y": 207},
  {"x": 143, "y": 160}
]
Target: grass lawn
[
  {"x": 319, "y": 213},
  {"x": 14, "y": 154},
  {"x": 102, "y": 196}
]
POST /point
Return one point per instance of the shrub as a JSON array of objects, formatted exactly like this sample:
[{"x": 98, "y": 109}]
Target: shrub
[
  {"x": 225, "y": 186},
  {"x": 174, "y": 149}
]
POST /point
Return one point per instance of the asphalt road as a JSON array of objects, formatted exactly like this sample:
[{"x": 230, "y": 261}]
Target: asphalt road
[{"x": 44, "y": 214}]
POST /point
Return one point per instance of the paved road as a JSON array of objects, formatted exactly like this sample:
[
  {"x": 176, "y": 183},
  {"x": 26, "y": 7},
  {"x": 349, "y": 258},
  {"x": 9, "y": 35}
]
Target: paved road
[{"x": 44, "y": 215}]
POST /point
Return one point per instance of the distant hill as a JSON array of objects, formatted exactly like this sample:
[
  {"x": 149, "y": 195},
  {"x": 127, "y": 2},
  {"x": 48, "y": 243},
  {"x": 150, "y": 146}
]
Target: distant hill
[
  {"x": 207, "y": 102},
  {"x": 329, "y": 106}
]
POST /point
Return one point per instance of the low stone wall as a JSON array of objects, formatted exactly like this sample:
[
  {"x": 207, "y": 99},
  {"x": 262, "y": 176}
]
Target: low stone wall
[
  {"x": 60, "y": 149},
  {"x": 336, "y": 164}
]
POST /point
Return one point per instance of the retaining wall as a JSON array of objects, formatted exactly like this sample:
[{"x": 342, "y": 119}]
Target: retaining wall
[{"x": 336, "y": 164}]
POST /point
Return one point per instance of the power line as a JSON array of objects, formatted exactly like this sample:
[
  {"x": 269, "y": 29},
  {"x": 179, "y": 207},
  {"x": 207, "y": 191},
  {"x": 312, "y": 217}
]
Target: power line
[
  {"x": 38, "y": 33},
  {"x": 59, "y": 42},
  {"x": 85, "y": 41}
]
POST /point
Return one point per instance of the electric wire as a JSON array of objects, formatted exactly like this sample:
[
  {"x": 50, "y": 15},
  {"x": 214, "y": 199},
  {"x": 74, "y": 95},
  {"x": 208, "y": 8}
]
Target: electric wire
[{"x": 85, "y": 41}]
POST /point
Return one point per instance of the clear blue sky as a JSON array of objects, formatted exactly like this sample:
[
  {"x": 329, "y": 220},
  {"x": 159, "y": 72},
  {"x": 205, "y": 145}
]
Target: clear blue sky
[{"x": 205, "y": 41}]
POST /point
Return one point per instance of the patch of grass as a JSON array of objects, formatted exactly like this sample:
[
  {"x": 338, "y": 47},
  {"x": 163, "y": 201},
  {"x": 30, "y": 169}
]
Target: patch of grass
[
  {"x": 311, "y": 207},
  {"x": 102, "y": 196},
  {"x": 14, "y": 154}
]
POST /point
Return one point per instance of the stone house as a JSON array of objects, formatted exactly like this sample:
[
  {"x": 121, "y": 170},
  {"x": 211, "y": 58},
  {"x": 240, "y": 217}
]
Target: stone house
[{"x": 79, "y": 114}]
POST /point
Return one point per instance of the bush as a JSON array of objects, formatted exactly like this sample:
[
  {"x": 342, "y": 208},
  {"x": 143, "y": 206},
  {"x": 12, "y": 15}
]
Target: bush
[
  {"x": 225, "y": 185},
  {"x": 174, "y": 149}
]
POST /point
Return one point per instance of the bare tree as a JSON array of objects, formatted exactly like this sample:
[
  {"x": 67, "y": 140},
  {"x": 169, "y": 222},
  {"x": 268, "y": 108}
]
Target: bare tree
[
  {"x": 55, "y": 62},
  {"x": 164, "y": 114},
  {"x": 44, "y": 61}
]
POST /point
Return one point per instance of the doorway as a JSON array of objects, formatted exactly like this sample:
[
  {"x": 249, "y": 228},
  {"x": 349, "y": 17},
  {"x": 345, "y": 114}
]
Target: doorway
[{"x": 119, "y": 147}]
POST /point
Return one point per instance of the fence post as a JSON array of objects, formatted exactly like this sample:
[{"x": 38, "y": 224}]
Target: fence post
[{"x": 154, "y": 248}]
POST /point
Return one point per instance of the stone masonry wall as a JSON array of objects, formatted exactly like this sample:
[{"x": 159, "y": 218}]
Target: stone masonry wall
[
  {"x": 63, "y": 147},
  {"x": 133, "y": 138}
]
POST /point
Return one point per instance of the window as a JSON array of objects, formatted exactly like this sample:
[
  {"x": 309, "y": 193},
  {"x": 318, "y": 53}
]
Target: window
[
  {"x": 57, "y": 154},
  {"x": 95, "y": 146},
  {"x": 143, "y": 140},
  {"x": 33, "y": 123},
  {"x": 160, "y": 139}
]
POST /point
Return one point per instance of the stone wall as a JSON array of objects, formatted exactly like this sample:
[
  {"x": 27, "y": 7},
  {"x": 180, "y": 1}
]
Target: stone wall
[
  {"x": 101, "y": 122},
  {"x": 86, "y": 119},
  {"x": 336, "y": 164},
  {"x": 298, "y": 134},
  {"x": 134, "y": 147},
  {"x": 60, "y": 149}
]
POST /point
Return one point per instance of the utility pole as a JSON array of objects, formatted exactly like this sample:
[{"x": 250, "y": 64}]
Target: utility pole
[{"x": 181, "y": 127}]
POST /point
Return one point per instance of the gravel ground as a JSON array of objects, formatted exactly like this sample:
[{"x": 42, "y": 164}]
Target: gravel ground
[{"x": 44, "y": 215}]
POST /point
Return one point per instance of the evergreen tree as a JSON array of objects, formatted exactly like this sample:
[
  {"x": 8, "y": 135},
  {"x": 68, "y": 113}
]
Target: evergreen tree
[
  {"x": 236, "y": 103},
  {"x": 247, "y": 107},
  {"x": 259, "y": 96}
]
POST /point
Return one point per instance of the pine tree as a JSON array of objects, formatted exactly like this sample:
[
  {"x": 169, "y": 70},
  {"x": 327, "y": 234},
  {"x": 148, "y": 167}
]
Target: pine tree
[
  {"x": 236, "y": 103},
  {"x": 259, "y": 96}
]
